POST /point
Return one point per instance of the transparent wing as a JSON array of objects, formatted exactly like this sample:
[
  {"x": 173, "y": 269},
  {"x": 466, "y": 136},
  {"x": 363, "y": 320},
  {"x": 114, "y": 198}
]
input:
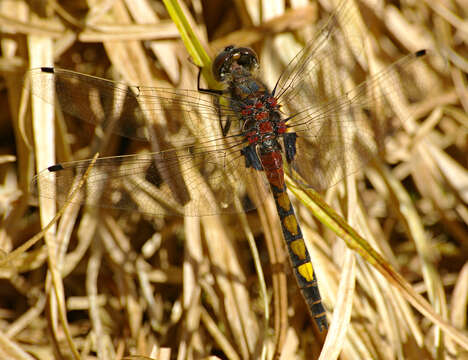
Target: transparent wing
[
  {"x": 121, "y": 108},
  {"x": 326, "y": 43},
  {"x": 189, "y": 181},
  {"x": 201, "y": 179},
  {"x": 343, "y": 128}
]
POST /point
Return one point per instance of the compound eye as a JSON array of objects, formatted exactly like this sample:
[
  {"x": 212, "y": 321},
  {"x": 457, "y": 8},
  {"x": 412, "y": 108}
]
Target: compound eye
[
  {"x": 248, "y": 58},
  {"x": 243, "y": 56},
  {"x": 222, "y": 63}
]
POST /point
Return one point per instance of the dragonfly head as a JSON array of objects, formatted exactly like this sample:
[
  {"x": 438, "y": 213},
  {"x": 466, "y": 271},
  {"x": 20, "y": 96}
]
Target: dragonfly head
[{"x": 234, "y": 59}]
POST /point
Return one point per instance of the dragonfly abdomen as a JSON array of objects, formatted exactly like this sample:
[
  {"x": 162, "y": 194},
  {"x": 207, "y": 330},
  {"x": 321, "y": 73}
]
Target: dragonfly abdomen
[{"x": 298, "y": 254}]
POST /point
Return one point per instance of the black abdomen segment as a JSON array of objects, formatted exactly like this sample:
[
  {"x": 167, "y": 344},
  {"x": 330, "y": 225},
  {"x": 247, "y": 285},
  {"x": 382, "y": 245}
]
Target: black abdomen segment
[{"x": 299, "y": 256}]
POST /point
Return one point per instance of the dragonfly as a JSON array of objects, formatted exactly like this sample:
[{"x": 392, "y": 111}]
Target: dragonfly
[{"x": 311, "y": 125}]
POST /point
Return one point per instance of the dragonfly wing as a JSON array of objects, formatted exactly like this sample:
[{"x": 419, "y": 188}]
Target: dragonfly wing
[
  {"x": 189, "y": 181},
  {"x": 120, "y": 108},
  {"x": 337, "y": 137},
  {"x": 324, "y": 159},
  {"x": 302, "y": 74}
]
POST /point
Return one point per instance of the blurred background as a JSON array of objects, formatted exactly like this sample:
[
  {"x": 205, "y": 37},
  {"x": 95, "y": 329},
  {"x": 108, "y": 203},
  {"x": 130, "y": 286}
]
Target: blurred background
[{"x": 108, "y": 283}]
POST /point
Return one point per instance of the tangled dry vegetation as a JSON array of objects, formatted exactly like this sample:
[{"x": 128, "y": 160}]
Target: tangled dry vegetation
[{"x": 109, "y": 284}]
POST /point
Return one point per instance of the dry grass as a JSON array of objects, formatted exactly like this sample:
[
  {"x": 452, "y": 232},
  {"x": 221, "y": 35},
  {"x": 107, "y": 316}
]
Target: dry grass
[{"x": 110, "y": 284}]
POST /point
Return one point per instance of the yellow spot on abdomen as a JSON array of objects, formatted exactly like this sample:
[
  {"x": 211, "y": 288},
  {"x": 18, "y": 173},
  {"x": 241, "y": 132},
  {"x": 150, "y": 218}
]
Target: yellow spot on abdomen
[
  {"x": 298, "y": 248},
  {"x": 290, "y": 223},
  {"x": 283, "y": 201},
  {"x": 306, "y": 271}
]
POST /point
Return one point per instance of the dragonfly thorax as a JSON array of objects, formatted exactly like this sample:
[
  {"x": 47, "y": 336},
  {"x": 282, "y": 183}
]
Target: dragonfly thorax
[{"x": 262, "y": 120}]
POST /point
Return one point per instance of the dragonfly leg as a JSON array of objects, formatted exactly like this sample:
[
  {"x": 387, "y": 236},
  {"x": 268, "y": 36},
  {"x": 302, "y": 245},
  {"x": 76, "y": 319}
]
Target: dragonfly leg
[{"x": 206, "y": 91}]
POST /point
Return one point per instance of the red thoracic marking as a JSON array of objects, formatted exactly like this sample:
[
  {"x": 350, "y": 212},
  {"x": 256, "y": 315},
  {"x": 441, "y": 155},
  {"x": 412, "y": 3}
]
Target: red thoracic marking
[
  {"x": 271, "y": 102},
  {"x": 252, "y": 137},
  {"x": 281, "y": 127},
  {"x": 265, "y": 127},
  {"x": 247, "y": 110},
  {"x": 261, "y": 116}
]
